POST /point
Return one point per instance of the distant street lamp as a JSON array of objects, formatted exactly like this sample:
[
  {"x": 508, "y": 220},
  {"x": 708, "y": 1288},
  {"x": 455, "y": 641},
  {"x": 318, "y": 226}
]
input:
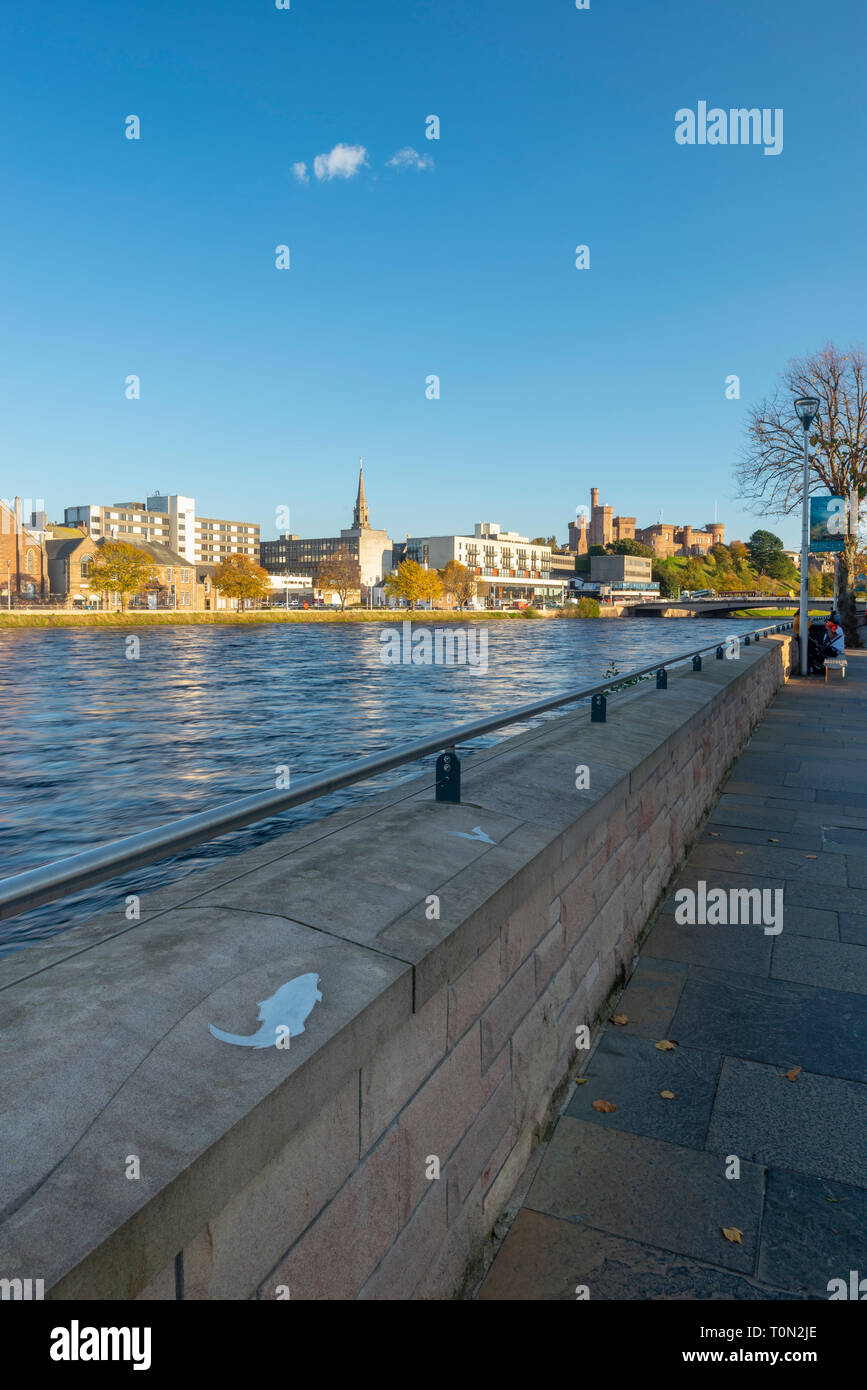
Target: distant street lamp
[{"x": 807, "y": 408}]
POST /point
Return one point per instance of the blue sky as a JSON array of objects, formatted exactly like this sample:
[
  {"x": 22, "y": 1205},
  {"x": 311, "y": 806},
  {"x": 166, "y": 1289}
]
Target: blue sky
[{"x": 260, "y": 388}]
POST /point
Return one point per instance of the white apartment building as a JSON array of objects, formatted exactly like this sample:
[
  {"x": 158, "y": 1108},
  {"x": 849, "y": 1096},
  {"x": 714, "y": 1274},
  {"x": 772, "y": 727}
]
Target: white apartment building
[
  {"x": 506, "y": 565},
  {"x": 169, "y": 520}
]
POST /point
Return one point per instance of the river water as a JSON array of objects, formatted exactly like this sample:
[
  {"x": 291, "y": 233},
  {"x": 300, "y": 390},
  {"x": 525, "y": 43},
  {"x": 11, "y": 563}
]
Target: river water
[{"x": 96, "y": 746}]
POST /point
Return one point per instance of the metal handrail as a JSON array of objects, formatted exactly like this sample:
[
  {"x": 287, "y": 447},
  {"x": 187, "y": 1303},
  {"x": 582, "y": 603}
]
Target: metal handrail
[{"x": 21, "y": 892}]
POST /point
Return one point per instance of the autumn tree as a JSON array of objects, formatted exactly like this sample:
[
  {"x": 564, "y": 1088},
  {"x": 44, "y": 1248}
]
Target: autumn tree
[
  {"x": 458, "y": 581},
  {"x": 770, "y": 472},
  {"x": 121, "y": 568},
  {"x": 340, "y": 572},
  {"x": 240, "y": 577},
  {"x": 407, "y": 582},
  {"x": 431, "y": 586}
]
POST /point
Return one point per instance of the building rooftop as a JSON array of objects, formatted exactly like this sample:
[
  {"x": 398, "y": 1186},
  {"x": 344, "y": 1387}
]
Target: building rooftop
[
  {"x": 60, "y": 548},
  {"x": 160, "y": 553}
]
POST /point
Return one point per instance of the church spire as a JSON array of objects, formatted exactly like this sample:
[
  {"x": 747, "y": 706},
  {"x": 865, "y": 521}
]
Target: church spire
[{"x": 361, "y": 516}]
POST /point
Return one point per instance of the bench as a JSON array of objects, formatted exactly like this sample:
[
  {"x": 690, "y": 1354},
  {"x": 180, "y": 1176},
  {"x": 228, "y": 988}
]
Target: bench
[{"x": 836, "y": 664}]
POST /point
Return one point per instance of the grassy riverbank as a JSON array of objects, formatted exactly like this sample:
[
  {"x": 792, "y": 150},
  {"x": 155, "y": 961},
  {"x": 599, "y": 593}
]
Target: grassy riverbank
[
  {"x": 791, "y": 613},
  {"x": 65, "y": 618}
]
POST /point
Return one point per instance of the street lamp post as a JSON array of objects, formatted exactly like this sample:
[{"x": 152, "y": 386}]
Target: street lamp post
[{"x": 807, "y": 408}]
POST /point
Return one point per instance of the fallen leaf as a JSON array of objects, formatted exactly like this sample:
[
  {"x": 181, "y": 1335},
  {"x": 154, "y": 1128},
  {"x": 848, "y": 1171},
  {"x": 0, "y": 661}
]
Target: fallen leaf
[
  {"x": 733, "y": 1234},
  {"x": 581, "y": 1080},
  {"x": 772, "y": 841},
  {"x": 665, "y": 1046},
  {"x": 794, "y": 1073},
  {"x": 604, "y": 1107},
  {"x": 811, "y": 856},
  {"x": 620, "y": 1019},
  {"x": 739, "y": 851},
  {"x": 667, "y": 1095},
  {"x": 714, "y": 833}
]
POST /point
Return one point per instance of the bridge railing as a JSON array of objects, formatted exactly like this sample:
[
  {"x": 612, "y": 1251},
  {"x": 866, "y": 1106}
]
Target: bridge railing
[{"x": 22, "y": 892}]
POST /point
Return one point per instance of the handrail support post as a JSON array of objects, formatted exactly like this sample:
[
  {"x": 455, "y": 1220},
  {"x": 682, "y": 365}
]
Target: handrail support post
[{"x": 448, "y": 777}]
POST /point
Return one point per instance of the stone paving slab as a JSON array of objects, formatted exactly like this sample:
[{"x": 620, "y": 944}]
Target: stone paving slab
[
  {"x": 853, "y": 927},
  {"x": 828, "y": 896},
  {"x": 813, "y": 1230},
  {"x": 809, "y": 839},
  {"x": 810, "y": 921},
  {"x": 770, "y": 860},
  {"x": 547, "y": 1259},
  {"x": 741, "y": 785},
  {"x": 856, "y": 871},
  {"x": 854, "y": 799},
  {"x": 652, "y": 995},
  {"x": 773, "y": 1021},
  {"x": 766, "y": 767},
  {"x": 837, "y": 965},
  {"x": 670, "y": 1196},
  {"x": 744, "y": 949},
  {"x": 630, "y": 1072},
  {"x": 815, "y": 1124}
]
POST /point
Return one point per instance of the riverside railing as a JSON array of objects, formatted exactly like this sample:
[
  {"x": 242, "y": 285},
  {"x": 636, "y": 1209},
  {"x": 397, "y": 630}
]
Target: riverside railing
[{"x": 21, "y": 892}]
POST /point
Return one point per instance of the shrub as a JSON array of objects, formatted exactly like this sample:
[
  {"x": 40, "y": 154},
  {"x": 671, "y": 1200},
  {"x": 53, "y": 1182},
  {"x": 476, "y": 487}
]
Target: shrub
[{"x": 587, "y": 608}]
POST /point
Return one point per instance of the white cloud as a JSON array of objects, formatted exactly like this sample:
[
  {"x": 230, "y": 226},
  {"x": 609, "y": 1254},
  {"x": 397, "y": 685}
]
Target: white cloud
[
  {"x": 408, "y": 158},
  {"x": 341, "y": 163},
  {"x": 300, "y": 172}
]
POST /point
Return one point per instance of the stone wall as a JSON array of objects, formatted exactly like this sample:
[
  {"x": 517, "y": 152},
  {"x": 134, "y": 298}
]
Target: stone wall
[{"x": 442, "y": 1042}]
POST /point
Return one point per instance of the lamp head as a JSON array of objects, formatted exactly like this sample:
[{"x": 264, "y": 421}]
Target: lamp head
[{"x": 807, "y": 408}]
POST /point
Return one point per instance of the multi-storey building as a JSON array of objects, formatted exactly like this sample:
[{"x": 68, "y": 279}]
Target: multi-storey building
[
  {"x": 121, "y": 521},
  {"x": 506, "y": 564},
  {"x": 370, "y": 550},
  {"x": 171, "y": 521}
]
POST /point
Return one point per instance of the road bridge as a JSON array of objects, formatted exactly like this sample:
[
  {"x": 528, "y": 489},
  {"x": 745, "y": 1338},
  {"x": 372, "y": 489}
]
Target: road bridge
[{"x": 718, "y": 606}]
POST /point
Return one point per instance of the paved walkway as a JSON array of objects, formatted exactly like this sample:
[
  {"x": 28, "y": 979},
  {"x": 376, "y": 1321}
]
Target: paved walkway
[{"x": 770, "y": 1067}]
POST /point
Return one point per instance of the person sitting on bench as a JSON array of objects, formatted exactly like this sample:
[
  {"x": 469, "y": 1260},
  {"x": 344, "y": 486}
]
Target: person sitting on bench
[{"x": 834, "y": 640}]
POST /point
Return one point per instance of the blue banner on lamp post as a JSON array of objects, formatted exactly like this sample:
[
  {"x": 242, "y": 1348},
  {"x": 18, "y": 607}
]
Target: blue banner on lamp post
[{"x": 827, "y": 523}]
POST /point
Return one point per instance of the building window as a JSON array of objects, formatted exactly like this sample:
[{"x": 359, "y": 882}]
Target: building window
[
  {"x": 84, "y": 566},
  {"x": 30, "y": 562}
]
